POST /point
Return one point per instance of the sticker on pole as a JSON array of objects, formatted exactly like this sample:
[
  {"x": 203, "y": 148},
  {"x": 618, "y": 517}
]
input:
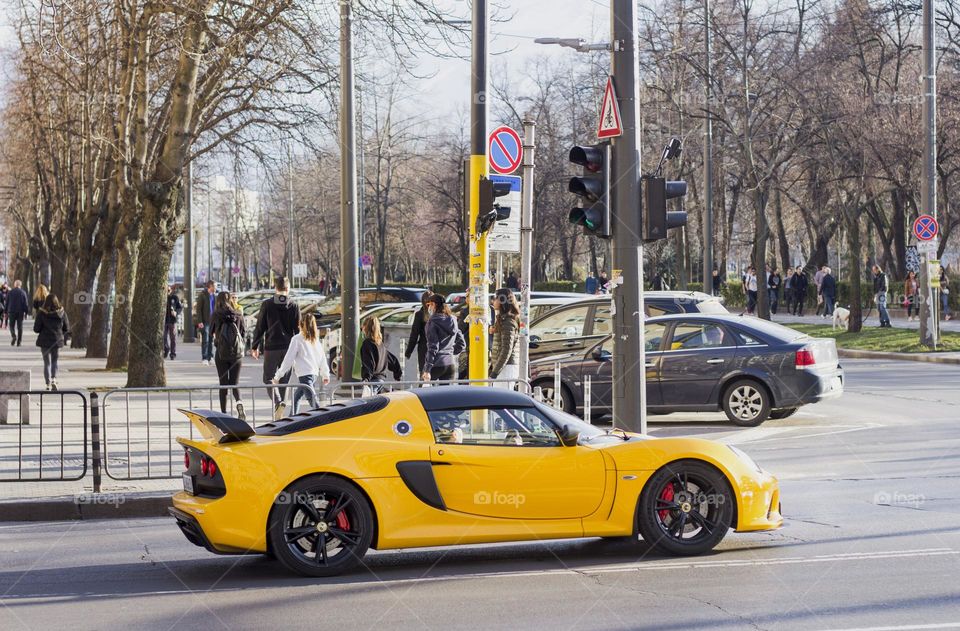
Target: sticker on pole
[
  {"x": 925, "y": 228},
  {"x": 610, "y": 124},
  {"x": 505, "y": 150}
]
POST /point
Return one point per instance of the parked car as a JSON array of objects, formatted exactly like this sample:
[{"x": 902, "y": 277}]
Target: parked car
[
  {"x": 394, "y": 330},
  {"x": 751, "y": 369},
  {"x": 580, "y": 324}
]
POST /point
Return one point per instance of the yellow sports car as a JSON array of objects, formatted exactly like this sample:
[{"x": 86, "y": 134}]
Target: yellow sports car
[{"x": 454, "y": 465}]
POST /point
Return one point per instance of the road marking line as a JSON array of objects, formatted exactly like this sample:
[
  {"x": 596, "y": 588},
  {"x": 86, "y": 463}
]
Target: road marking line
[
  {"x": 835, "y": 432},
  {"x": 900, "y": 627}
]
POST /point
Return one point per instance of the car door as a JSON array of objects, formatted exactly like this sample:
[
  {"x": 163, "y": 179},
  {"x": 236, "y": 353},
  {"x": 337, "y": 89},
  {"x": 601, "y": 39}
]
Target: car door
[
  {"x": 509, "y": 464},
  {"x": 597, "y": 365},
  {"x": 697, "y": 355},
  {"x": 560, "y": 331}
]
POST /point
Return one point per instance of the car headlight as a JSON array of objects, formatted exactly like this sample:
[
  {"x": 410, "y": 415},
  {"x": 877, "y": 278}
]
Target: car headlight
[{"x": 747, "y": 459}]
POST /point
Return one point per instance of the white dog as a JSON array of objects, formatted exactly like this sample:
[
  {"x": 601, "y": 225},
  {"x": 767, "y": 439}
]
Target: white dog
[{"x": 841, "y": 316}]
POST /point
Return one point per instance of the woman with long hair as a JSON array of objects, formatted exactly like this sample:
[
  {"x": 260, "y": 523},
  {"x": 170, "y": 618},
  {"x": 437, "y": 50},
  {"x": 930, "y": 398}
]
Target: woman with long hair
[
  {"x": 53, "y": 331},
  {"x": 376, "y": 361},
  {"x": 307, "y": 358},
  {"x": 911, "y": 294},
  {"x": 445, "y": 342},
  {"x": 229, "y": 335},
  {"x": 505, "y": 352},
  {"x": 39, "y": 296},
  {"x": 418, "y": 332}
]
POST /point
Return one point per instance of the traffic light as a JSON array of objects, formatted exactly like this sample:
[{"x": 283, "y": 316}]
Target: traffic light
[
  {"x": 594, "y": 187},
  {"x": 656, "y": 219},
  {"x": 490, "y": 211}
]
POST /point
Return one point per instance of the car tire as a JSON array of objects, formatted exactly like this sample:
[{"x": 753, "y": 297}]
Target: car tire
[
  {"x": 685, "y": 508},
  {"x": 305, "y": 547},
  {"x": 784, "y": 413},
  {"x": 746, "y": 403},
  {"x": 546, "y": 387}
]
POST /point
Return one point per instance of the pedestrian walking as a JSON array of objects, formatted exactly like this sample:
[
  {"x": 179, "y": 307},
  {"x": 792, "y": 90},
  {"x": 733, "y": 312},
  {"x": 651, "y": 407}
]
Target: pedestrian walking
[
  {"x": 306, "y": 357},
  {"x": 512, "y": 281},
  {"x": 505, "y": 350},
  {"x": 750, "y": 288},
  {"x": 4, "y": 292},
  {"x": 591, "y": 284},
  {"x": 277, "y": 323},
  {"x": 376, "y": 360},
  {"x": 945, "y": 293},
  {"x": 418, "y": 332},
  {"x": 880, "y": 288},
  {"x": 229, "y": 335},
  {"x": 206, "y": 304},
  {"x": 788, "y": 289},
  {"x": 602, "y": 281},
  {"x": 911, "y": 295},
  {"x": 800, "y": 284},
  {"x": 818, "y": 281},
  {"x": 444, "y": 342},
  {"x": 828, "y": 287},
  {"x": 170, "y": 317},
  {"x": 717, "y": 282},
  {"x": 17, "y": 306},
  {"x": 53, "y": 331},
  {"x": 774, "y": 280},
  {"x": 463, "y": 359},
  {"x": 39, "y": 296},
  {"x": 657, "y": 283}
]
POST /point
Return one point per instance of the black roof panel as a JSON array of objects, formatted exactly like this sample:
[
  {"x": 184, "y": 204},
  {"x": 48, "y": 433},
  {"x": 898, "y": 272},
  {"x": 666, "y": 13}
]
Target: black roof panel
[{"x": 466, "y": 397}]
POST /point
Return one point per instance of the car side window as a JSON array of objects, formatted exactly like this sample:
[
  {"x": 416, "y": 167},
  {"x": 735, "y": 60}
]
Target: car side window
[
  {"x": 563, "y": 324},
  {"x": 494, "y": 427},
  {"x": 654, "y": 310},
  {"x": 602, "y": 320},
  {"x": 748, "y": 340},
  {"x": 699, "y": 335},
  {"x": 653, "y": 336}
]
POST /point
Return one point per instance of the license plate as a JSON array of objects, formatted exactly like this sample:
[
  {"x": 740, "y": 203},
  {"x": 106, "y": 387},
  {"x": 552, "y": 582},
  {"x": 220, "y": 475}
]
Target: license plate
[{"x": 188, "y": 483}]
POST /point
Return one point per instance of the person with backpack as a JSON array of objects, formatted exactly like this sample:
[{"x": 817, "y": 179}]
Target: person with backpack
[
  {"x": 174, "y": 309},
  {"x": 444, "y": 342},
  {"x": 505, "y": 351},
  {"x": 306, "y": 357},
  {"x": 229, "y": 336},
  {"x": 376, "y": 360},
  {"x": 53, "y": 332},
  {"x": 277, "y": 323}
]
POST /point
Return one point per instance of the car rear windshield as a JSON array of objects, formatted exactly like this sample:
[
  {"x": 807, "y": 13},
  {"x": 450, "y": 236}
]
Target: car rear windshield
[{"x": 772, "y": 330}]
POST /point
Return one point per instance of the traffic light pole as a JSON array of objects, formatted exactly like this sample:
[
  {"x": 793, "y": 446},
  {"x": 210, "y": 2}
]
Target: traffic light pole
[
  {"x": 479, "y": 257},
  {"x": 629, "y": 378},
  {"x": 349, "y": 261},
  {"x": 526, "y": 243}
]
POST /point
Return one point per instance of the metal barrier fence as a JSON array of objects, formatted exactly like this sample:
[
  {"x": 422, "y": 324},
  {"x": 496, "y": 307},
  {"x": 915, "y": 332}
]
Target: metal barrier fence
[
  {"x": 354, "y": 389},
  {"x": 43, "y": 436},
  {"x": 139, "y": 426}
]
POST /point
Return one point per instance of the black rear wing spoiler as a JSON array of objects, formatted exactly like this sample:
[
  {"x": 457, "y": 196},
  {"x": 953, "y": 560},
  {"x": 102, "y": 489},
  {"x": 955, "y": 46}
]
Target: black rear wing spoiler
[{"x": 219, "y": 427}]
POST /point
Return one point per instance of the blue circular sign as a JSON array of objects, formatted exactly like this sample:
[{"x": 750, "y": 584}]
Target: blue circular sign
[{"x": 925, "y": 228}]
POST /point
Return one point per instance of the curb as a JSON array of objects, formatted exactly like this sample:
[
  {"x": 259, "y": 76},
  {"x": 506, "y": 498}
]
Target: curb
[
  {"x": 87, "y": 506},
  {"x": 930, "y": 358}
]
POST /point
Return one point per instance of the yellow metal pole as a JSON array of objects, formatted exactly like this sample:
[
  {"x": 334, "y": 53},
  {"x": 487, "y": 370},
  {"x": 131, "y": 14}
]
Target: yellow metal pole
[{"x": 477, "y": 296}]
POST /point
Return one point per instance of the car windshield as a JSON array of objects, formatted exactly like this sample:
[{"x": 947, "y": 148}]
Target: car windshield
[{"x": 560, "y": 418}]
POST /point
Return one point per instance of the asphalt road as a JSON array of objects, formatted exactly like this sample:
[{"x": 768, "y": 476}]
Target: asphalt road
[{"x": 871, "y": 493}]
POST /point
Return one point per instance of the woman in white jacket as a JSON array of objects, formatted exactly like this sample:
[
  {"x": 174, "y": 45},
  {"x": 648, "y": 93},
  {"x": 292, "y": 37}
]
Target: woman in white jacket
[{"x": 305, "y": 355}]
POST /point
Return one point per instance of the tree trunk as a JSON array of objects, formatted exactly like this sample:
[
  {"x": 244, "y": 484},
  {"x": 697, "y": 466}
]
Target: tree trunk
[
  {"x": 783, "y": 244},
  {"x": 83, "y": 296},
  {"x": 98, "y": 341},
  {"x": 856, "y": 274},
  {"x": 120, "y": 333},
  {"x": 761, "y": 233}
]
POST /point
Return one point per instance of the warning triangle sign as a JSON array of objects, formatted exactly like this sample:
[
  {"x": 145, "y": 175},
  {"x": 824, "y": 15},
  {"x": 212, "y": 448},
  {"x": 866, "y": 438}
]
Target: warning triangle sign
[{"x": 610, "y": 125}]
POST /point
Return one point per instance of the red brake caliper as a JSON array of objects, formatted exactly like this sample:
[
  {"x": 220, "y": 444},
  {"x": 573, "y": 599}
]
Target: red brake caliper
[
  {"x": 342, "y": 522},
  {"x": 667, "y": 496}
]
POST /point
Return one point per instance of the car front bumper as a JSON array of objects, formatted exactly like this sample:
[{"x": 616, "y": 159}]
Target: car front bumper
[{"x": 759, "y": 507}]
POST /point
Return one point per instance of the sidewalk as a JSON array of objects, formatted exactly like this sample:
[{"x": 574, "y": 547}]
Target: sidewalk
[{"x": 872, "y": 320}]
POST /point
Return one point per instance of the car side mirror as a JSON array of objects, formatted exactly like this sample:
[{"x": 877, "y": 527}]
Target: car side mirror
[
  {"x": 602, "y": 355},
  {"x": 568, "y": 436},
  {"x": 534, "y": 341}
]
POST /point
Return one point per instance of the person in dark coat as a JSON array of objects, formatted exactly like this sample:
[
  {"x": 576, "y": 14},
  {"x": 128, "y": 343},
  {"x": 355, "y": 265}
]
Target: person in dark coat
[
  {"x": 445, "y": 342},
  {"x": 376, "y": 361},
  {"x": 277, "y": 323},
  {"x": 828, "y": 287},
  {"x": 230, "y": 335},
  {"x": 53, "y": 331},
  {"x": 798, "y": 286},
  {"x": 418, "y": 332},
  {"x": 512, "y": 281},
  {"x": 18, "y": 304},
  {"x": 206, "y": 303},
  {"x": 174, "y": 309},
  {"x": 4, "y": 291}
]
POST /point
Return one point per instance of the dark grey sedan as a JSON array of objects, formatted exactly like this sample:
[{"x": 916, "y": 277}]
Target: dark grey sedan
[{"x": 751, "y": 369}]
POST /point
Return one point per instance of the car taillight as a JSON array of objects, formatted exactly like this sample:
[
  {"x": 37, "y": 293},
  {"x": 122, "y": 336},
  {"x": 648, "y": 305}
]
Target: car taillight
[
  {"x": 805, "y": 358},
  {"x": 186, "y": 459},
  {"x": 212, "y": 469},
  {"x": 203, "y": 465}
]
